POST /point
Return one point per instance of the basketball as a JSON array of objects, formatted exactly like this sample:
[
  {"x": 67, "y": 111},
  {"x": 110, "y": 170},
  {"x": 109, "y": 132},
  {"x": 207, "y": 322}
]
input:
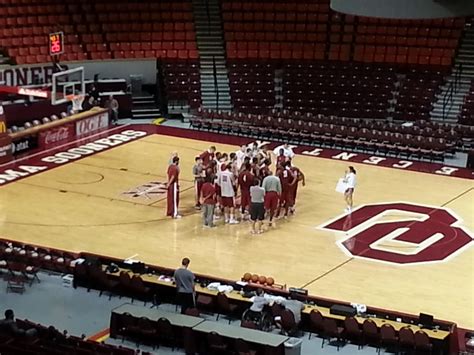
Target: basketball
[
  {"x": 270, "y": 281},
  {"x": 254, "y": 278},
  {"x": 262, "y": 280},
  {"x": 246, "y": 277}
]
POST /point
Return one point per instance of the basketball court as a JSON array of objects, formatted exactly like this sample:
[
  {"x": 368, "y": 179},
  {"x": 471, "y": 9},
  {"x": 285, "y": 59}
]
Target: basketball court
[{"x": 113, "y": 202}]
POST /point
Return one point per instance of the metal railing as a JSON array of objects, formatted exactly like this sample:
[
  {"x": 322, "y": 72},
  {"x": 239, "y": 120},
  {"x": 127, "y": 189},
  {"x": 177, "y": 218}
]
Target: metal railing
[{"x": 448, "y": 98}]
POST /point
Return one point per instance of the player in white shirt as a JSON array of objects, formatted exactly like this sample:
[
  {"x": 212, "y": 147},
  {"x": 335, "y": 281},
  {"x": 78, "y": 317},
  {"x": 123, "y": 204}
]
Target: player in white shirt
[
  {"x": 241, "y": 154},
  {"x": 350, "y": 180},
  {"x": 227, "y": 183}
]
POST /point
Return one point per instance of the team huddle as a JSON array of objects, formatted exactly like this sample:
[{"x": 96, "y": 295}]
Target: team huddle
[{"x": 240, "y": 185}]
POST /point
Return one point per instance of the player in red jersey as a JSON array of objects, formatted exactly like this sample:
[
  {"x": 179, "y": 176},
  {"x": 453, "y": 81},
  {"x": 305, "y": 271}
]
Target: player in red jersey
[
  {"x": 264, "y": 170},
  {"x": 281, "y": 158},
  {"x": 294, "y": 187},
  {"x": 245, "y": 181},
  {"x": 287, "y": 179},
  {"x": 254, "y": 167},
  {"x": 172, "y": 197},
  {"x": 207, "y": 156}
]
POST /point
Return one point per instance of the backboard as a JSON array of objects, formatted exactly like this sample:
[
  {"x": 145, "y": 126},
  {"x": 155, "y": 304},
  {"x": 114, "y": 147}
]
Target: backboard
[{"x": 66, "y": 84}]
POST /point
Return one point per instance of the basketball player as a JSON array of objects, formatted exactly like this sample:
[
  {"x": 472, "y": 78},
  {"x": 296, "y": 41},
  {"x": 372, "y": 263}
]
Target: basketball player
[
  {"x": 173, "y": 189},
  {"x": 264, "y": 154},
  {"x": 272, "y": 186},
  {"x": 198, "y": 173},
  {"x": 173, "y": 155},
  {"x": 264, "y": 169},
  {"x": 245, "y": 181},
  {"x": 227, "y": 184},
  {"x": 241, "y": 154},
  {"x": 294, "y": 187},
  {"x": 281, "y": 158},
  {"x": 286, "y": 179},
  {"x": 287, "y": 151},
  {"x": 350, "y": 180},
  {"x": 208, "y": 155}
]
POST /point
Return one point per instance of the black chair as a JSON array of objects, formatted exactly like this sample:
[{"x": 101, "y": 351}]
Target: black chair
[
  {"x": 422, "y": 342},
  {"x": 388, "y": 337},
  {"x": 224, "y": 306},
  {"x": 288, "y": 323},
  {"x": 406, "y": 339},
  {"x": 352, "y": 331},
  {"x": 139, "y": 290},
  {"x": 189, "y": 341},
  {"x": 146, "y": 331},
  {"x": 370, "y": 333},
  {"x": 216, "y": 343},
  {"x": 243, "y": 348},
  {"x": 316, "y": 321},
  {"x": 331, "y": 331},
  {"x": 165, "y": 332}
]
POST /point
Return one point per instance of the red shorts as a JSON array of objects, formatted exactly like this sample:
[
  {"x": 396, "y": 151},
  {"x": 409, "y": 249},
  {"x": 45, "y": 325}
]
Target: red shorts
[
  {"x": 285, "y": 197},
  {"x": 291, "y": 195},
  {"x": 271, "y": 200},
  {"x": 245, "y": 199},
  {"x": 227, "y": 201}
]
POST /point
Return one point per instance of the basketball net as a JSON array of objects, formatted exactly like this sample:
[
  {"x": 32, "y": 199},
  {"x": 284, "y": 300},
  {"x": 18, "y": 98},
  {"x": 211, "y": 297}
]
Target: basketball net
[{"x": 77, "y": 101}]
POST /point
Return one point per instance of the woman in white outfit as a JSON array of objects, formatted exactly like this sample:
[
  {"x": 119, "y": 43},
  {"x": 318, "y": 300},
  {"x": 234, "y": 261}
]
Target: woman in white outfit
[{"x": 350, "y": 180}]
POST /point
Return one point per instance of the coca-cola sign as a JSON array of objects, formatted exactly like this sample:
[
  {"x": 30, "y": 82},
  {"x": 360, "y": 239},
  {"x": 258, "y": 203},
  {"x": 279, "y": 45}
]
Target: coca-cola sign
[{"x": 56, "y": 135}]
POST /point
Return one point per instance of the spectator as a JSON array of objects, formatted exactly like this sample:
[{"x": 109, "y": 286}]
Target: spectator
[
  {"x": 95, "y": 95},
  {"x": 9, "y": 325},
  {"x": 184, "y": 280},
  {"x": 113, "y": 106}
]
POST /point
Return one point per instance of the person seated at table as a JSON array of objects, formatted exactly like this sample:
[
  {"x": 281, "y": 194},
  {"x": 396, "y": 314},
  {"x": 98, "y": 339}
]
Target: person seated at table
[
  {"x": 259, "y": 302},
  {"x": 8, "y": 324},
  {"x": 294, "y": 306}
]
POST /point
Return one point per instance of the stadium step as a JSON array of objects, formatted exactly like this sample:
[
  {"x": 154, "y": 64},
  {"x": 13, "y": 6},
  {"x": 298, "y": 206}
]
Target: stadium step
[
  {"x": 450, "y": 99},
  {"x": 215, "y": 90},
  {"x": 144, "y": 107}
]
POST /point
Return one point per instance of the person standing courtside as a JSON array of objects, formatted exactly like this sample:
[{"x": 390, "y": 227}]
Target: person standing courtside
[
  {"x": 257, "y": 209},
  {"x": 184, "y": 280},
  {"x": 198, "y": 173},
  {"x": 272, "y": 186},
  {"x": 350, "y": 180},
  {"x": 172, "y": 197},
  {"x": 208, "y": 201}
]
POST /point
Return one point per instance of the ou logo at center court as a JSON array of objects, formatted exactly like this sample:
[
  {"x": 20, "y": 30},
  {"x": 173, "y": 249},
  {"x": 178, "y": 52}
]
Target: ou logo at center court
[{"x": 401, "y": 233}]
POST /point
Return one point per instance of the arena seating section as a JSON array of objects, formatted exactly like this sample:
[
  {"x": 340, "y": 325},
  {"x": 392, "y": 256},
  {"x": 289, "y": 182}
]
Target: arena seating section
[
  {"x": 100, "y": 30},
  {"x": 295, "y": 30},
  {"x": 467, "y": 112},
  {"x": 422, "y": 140},
  {"x": 322, "y": 54}
]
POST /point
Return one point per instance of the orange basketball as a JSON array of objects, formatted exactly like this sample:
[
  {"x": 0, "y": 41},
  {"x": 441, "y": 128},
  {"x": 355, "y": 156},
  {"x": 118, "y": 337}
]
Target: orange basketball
[
  {"x": 270, "y": 281},
  {"x": 246, "y": 277},
  {"x": 262, "y": 280},
  {"x": 254, "y": 278}
]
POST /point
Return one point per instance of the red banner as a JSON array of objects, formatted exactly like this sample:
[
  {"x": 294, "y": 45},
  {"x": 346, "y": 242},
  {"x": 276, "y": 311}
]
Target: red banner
[
  {"x": 57, "y": 134},
  {"x": 5, "y": 148}
]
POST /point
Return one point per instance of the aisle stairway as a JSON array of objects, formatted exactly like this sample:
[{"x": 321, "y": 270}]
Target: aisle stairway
[
  {"x": 456, "y": 85},
  {"x": 215, "y": 90},
  {"x": 144, "y": 107}
]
